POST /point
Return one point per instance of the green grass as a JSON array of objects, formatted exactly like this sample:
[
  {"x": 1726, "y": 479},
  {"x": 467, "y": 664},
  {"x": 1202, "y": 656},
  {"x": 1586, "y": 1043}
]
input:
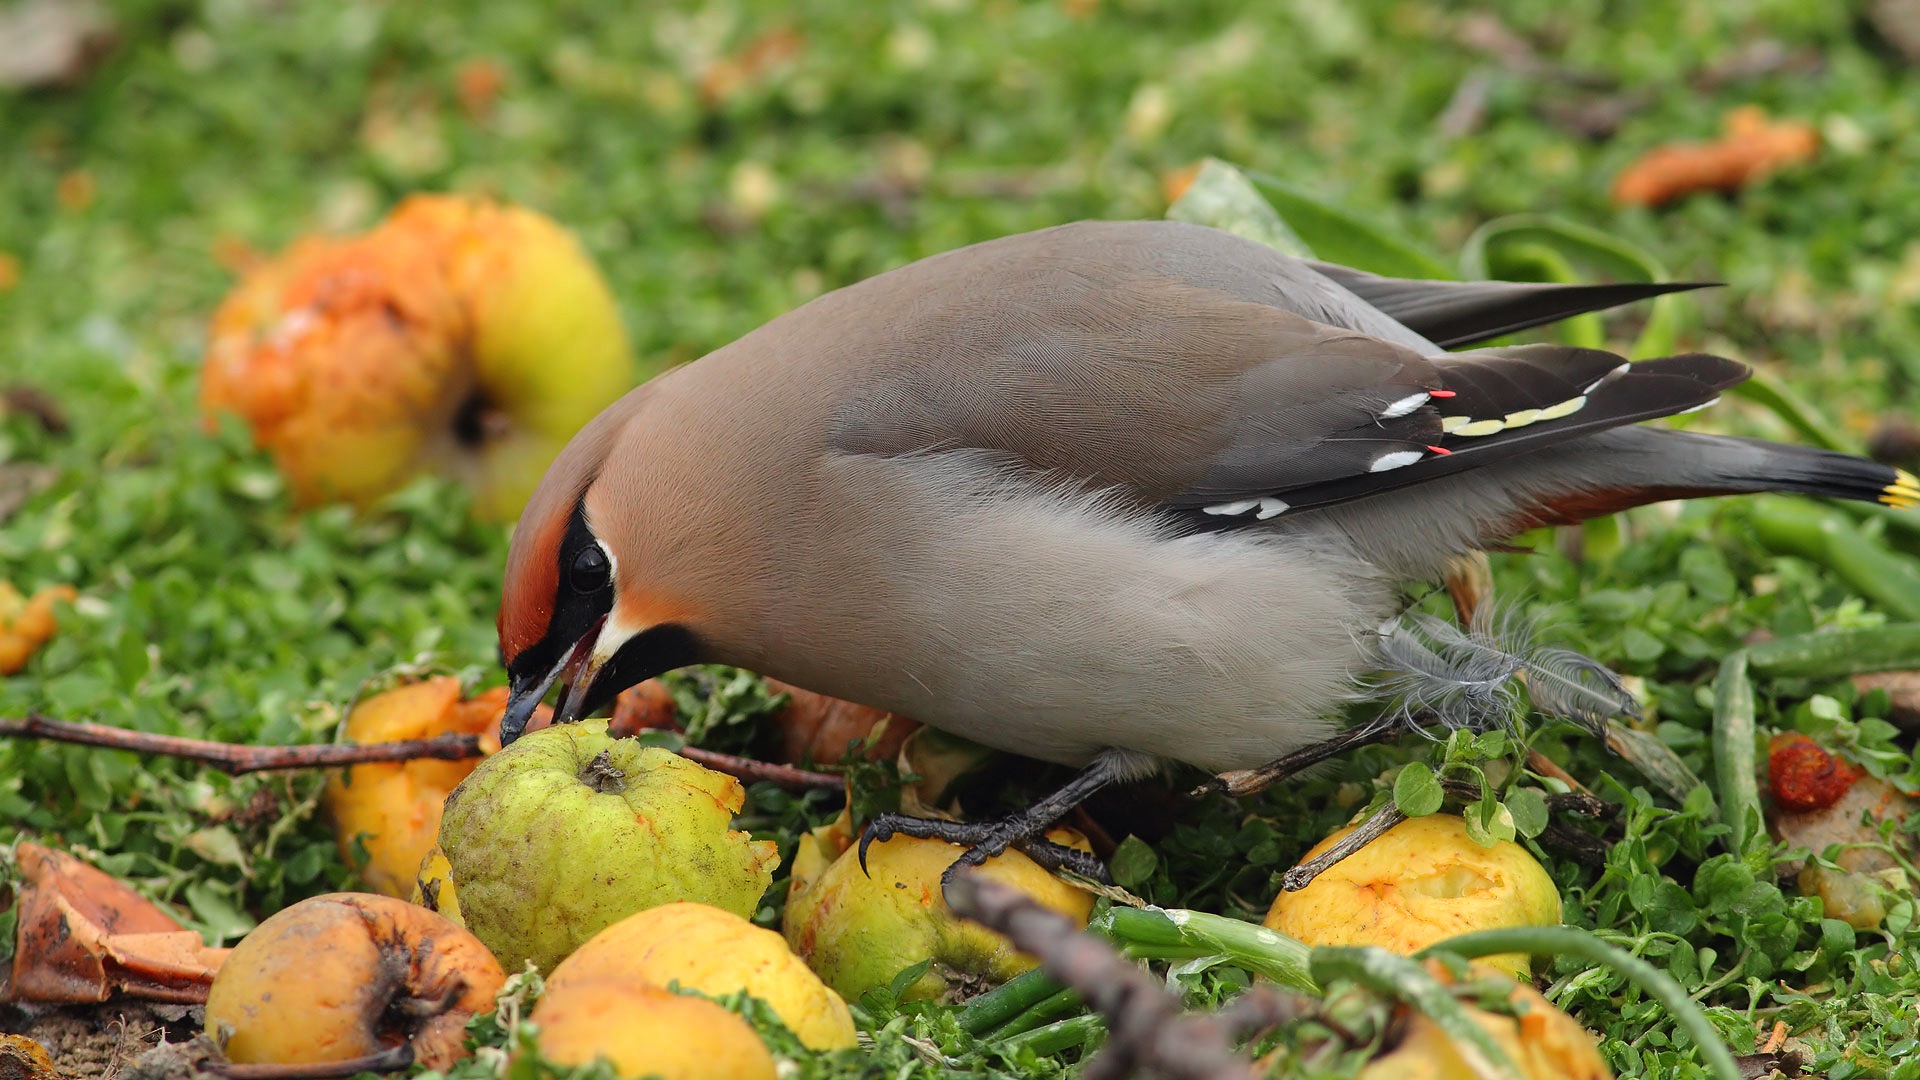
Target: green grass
[{"x": 209, "y": 609}]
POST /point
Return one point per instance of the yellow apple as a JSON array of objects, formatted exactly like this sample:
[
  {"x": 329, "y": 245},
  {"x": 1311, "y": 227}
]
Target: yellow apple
[{"x": 1424, "y": 881}]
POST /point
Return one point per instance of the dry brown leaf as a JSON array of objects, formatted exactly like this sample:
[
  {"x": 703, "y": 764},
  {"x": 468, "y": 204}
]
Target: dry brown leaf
[
  {"x": 644, "y": 706},
  {"x": 26, "y": 624},
  {"x": 1753, "y": 147},
  {"x": 820, "y": 729},
  {"x": 763, "y": 55},
  {"x": 85, "y": 936},
  {"x": 23, "y": 1059}
]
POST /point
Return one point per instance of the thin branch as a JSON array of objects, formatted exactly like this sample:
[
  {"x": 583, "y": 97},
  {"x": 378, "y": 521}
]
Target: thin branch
[
  {"x": 238, "y": 758},
  {"x": 1370, "y": 830},
  {"x": 752, "y": 769}
]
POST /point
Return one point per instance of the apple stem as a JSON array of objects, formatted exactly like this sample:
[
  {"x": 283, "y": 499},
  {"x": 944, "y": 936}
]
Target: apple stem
[{"x": 601, "y": 775}]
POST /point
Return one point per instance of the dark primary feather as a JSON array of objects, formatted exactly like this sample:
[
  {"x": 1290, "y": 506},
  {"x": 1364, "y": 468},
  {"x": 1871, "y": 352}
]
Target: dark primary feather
[
  {"x": 1671, "y": 385},
  {"x": 1455, "y": 313}
]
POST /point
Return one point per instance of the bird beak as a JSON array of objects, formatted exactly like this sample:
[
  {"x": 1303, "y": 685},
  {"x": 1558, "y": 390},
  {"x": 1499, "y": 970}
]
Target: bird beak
[{"x": 575, "y": 671}]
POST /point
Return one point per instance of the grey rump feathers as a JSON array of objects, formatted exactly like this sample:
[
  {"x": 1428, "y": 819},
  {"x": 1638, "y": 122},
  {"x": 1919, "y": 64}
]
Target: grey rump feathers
[{"x": 1433, "y": 670}]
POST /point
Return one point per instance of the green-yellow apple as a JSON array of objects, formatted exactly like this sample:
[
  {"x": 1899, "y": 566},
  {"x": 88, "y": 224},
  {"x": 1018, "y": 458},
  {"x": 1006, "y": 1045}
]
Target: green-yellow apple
[
  {"x": 858, "y": 929},
  {"x": 570, "y": 830},
  {"x": 459, "y": 336}
]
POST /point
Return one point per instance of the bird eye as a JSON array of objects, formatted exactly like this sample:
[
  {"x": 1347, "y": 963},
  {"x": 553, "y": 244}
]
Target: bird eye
[{"x": 591, "y": 570}]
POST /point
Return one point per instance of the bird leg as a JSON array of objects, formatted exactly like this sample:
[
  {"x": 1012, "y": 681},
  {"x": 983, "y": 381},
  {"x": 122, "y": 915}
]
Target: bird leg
[
  {"x": 1024, "y": 830},
  {"x": 1243, "y": 782}
]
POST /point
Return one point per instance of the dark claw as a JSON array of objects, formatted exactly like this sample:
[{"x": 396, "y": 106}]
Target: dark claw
[{"x": 984, "y": 840}]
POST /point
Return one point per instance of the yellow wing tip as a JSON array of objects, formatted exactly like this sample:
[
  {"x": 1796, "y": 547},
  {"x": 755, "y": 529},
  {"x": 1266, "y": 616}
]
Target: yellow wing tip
[{"x": 1904, "y": 492}]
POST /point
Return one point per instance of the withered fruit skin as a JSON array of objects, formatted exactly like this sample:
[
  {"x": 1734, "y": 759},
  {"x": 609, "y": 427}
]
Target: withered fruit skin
[
  {"x": 329, "y": 979},
  {"x": 569, "y": 830}
]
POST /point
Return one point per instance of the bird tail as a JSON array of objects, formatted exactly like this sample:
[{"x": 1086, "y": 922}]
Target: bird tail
[{"x": 1643, "y": 465}]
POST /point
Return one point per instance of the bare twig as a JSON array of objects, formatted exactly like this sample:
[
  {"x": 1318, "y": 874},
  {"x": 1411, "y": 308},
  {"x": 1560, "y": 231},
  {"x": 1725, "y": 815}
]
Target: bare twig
[
  {"x": 752, "y": 769},
  {"x": 1149, "y": 1033},
  {"x": 1546, "y": 766},
  {"x": 237, "y": 758},
  {"x": 1370, "y": 830}
]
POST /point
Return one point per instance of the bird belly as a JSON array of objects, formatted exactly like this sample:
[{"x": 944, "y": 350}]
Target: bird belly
[{"x": 1058, "y": 623}]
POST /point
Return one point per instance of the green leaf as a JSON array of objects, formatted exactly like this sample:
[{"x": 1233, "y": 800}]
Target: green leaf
[
  {"x": 1133, "y": 863},
  {"x": 1222, "y": 197},
  {"x": 214, "y": 910},
  {"x": 1417, "y": 791},
  {"x": 1488, "y": 821},
  {"x": 1339, "y": 235},
  {"x": 1528, "y": 809}
]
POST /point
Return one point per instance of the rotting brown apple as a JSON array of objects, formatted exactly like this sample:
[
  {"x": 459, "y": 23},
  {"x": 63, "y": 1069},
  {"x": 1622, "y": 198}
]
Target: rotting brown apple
[{"x": 346, "y": 975}]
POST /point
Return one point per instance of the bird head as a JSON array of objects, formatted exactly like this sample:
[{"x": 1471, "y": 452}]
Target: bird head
[{"x": 577, "y": 606}]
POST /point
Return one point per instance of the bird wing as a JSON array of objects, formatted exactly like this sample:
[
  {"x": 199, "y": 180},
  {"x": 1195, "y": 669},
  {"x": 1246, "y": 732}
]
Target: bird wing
[
  {"x": 1088, "y": 355},
  {"x": 1456, "y": 313}
]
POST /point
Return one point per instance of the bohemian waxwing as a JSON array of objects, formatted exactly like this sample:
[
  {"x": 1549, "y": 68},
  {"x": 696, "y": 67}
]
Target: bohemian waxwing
[{"x": 1107, "y": 494}]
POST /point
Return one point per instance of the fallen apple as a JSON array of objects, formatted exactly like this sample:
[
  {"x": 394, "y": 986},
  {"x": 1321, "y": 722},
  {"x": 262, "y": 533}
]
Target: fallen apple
[
  {"x": 391, "y": 810},
  {"x": 570, "y": 830},
  {"x": 644, "y": 1031},
  {"x": 345, "y": 975},
  {"x": 715, "y": 952},
  {"x": 459, "y": 336},
  {"x": 1424, "y": 881},
  {"x": 1543, "y": 1042},
  {"x": 858, "y": 929}
]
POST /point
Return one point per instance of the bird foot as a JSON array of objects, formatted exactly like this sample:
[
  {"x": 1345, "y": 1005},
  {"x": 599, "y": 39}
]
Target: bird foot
[
  {"x": 984, "y": 840},
  {"x": 1025, "y": 830}
]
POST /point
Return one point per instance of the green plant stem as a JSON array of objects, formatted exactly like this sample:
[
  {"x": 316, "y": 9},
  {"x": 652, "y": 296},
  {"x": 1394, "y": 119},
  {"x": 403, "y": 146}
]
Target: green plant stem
[
  {"x": 1057, "y": 1036},
  {"x": 1733, "y": 752},
  {"x": 1571, "y": 941},
  {"x": 1798, "y": 527},
  {"x": 1831, "y": 654},
  {"x": 1045, "y": 1011},
  {"x": 1180, "y": 934},
  {"x": 1006, "y": 1001}
]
